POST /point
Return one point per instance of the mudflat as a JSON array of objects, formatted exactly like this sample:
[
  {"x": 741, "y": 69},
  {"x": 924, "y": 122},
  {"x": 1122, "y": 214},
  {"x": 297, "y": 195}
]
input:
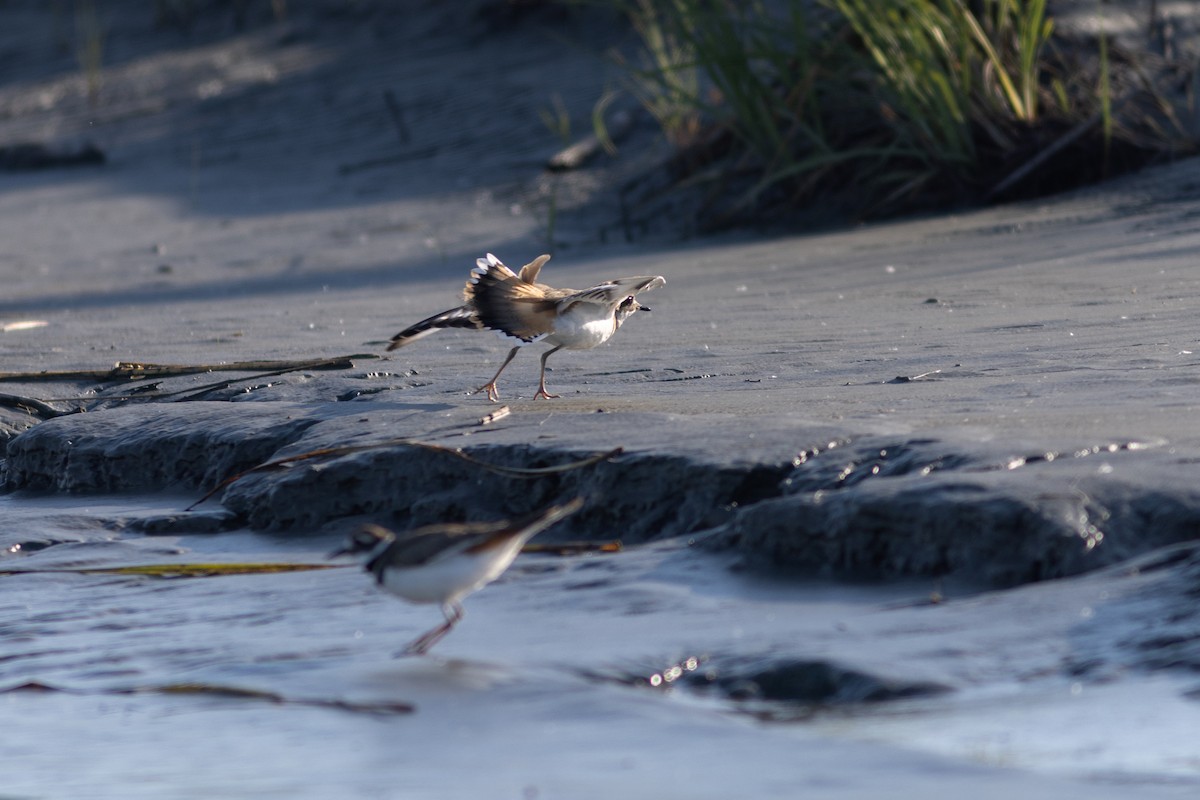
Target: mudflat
[{"x": 950, "y": 404}]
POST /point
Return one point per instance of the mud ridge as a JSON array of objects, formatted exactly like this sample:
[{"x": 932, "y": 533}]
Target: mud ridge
[
  {"x": 851, "y": 507},
  {"x": 879, "y": 510},
  {"x": 147, "y": 448}
]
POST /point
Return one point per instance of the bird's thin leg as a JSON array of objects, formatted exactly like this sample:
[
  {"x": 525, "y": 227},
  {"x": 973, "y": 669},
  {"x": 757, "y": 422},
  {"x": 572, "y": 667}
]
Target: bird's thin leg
[
  {"x": 541, "y": 392},
  {"x": 417, "y": 647},
  {"x": 490, "y": 386}
]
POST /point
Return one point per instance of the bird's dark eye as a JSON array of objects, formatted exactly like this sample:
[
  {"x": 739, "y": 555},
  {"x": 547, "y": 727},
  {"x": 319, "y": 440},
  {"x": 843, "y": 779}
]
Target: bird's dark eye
[{"x": 627, "y": 302}]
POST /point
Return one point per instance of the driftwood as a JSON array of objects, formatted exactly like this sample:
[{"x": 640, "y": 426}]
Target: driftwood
[
  {"x": 578, "y": 154},
  {"x": 32, "y": 406},
  {"x": 136, "y": 371},
  {"x": 193, "y": 392}
]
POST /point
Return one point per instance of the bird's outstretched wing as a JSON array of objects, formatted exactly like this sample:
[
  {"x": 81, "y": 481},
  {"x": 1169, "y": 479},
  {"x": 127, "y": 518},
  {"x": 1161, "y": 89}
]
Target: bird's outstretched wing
[{"x": 611, "y": 293}]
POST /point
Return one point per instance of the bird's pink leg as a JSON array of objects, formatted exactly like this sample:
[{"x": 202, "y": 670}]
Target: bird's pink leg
[
  {"x": 490, "y": 386},
  {"x": 417, "y": 647},
  {"x": 541, "y": 392}
]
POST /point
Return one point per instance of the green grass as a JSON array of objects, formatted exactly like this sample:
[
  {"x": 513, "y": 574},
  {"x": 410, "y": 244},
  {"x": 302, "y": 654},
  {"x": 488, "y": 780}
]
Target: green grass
[
  {"x": 89, "y": 47},
  {"x": 876, "y": 106},
  {"x": 558, "y": 123}
]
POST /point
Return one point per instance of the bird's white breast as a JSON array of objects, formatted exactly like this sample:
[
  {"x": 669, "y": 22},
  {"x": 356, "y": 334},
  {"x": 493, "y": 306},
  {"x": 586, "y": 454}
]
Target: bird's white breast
[
  {"x": 584, "y": 326},
  {"x": 450, "y": 579}
]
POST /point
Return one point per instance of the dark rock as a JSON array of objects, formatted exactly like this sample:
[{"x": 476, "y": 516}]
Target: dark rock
[{"x": 776, "y": 687}]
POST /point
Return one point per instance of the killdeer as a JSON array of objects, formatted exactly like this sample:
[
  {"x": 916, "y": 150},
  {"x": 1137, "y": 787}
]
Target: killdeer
[
  {"x": 516, "y": 306},
  {"x": 445, "y": 563}
]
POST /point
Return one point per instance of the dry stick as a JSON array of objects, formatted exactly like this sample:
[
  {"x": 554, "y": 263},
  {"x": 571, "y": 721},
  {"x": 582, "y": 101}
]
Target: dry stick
[
  {"x": 1066, "y": 139},
  {"x": 31, "y": 406},
  {"x": 1029, "y": 166},
  {"x": 133, "y": 371},
  {"x": 113, "y": 374},
  {"x": 333, "y": 452},
  {"x": 577, "y": 154},
  {"x": 194, "y": 392}
]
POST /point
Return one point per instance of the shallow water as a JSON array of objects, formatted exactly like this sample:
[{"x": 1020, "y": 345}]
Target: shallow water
[{"x": 285, "y": 684}]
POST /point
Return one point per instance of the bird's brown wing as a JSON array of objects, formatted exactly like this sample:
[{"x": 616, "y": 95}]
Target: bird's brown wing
[
  {"x": 434, "y": 542},
  {"x": 431, "y": 543},
  {"x": 505, "y": 303}
]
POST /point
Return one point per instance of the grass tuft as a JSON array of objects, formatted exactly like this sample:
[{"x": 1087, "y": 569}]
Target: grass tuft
[{"x": 882, "y": 106}]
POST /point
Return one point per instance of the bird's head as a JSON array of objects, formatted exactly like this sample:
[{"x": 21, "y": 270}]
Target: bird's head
[
  {"x": 627, "y": 307},
  {"x": 365, "y": 541}
]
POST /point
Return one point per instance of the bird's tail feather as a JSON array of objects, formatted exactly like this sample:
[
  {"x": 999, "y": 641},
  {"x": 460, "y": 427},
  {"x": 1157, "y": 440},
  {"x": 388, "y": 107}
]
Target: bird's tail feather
[
  {"x": 461, "y": 317},
  {"x": 537, "y": 522}
]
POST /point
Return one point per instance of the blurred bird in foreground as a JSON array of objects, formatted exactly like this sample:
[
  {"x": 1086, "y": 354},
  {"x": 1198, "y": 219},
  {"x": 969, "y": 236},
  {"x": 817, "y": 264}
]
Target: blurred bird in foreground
[{"x": 445, "y": 563}]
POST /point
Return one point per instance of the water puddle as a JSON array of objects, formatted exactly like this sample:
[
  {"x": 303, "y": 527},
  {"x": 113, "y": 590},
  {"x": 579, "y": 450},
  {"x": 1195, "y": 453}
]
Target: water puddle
[{"x": 243, "y": 663}]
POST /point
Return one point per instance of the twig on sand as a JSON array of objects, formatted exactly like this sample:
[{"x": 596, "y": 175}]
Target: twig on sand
[
  {"x": 136, "y": 371},
  {"x": 577, "y": 154},
  {"x": 193, "y": 392},
  {"x": 33, "y": 406}
]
